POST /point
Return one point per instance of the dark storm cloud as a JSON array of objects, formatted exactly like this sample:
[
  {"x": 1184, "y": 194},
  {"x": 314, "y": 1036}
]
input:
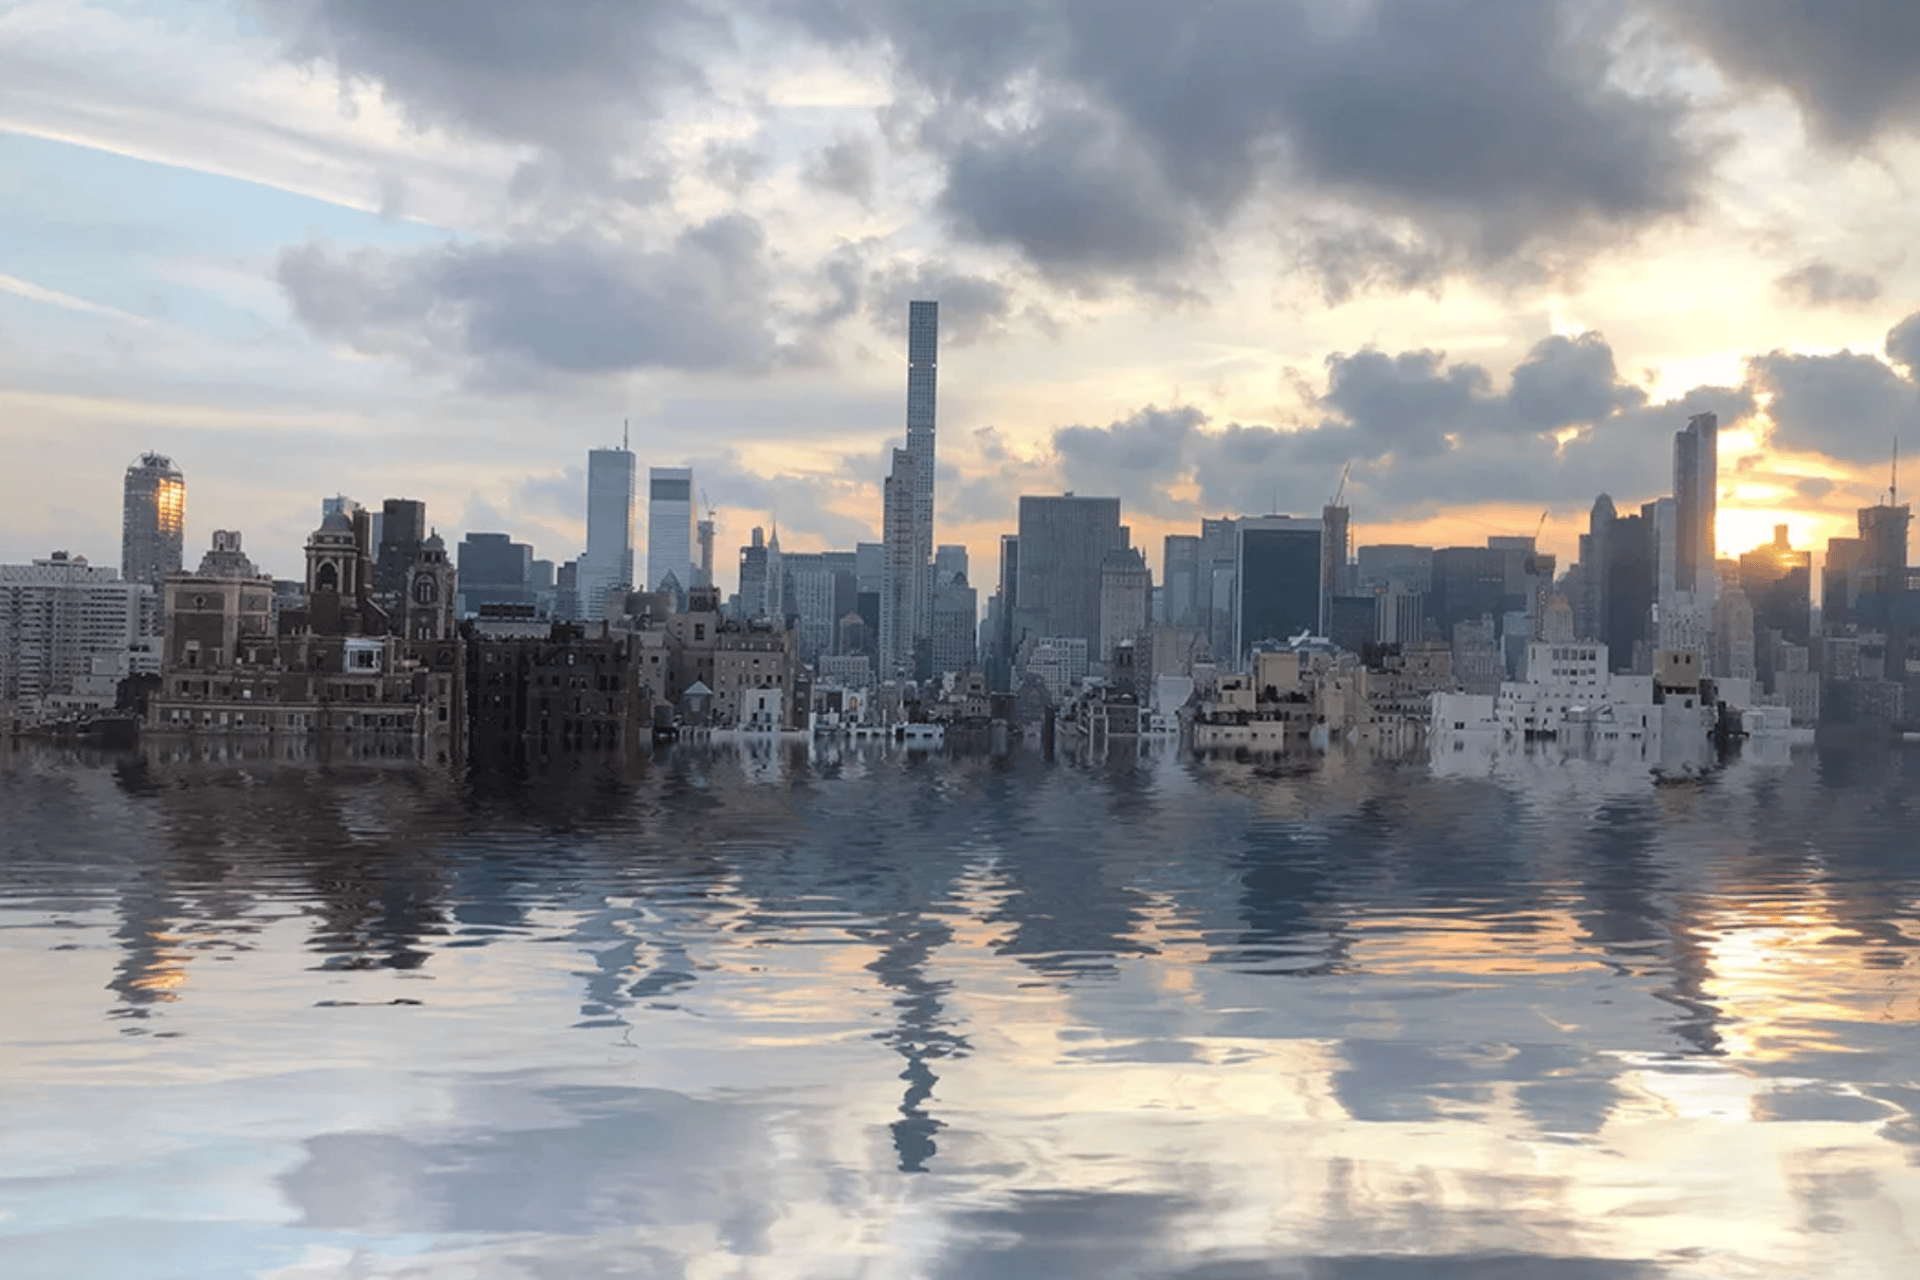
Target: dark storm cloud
[
  {"x": 1420, "y": 431},
  {"x": 1077, "y": 199},
  {"x": 1134, "y": 459},
  {"x": 1847, "y": 406},
  {"x": 1492, "y": 126},
  {"x": 573, "y": 81},
  {"x": 1822, "y": 284},
  {"x": 569, "y": 306},
  {"x": 1849, "y": 65}
]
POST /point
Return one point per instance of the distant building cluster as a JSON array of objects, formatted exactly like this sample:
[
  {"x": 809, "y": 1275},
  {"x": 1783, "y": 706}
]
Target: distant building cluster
[{"x": 1262, "y": 628}]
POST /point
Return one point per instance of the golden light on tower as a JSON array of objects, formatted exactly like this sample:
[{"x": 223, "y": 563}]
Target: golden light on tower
[{"x": 170, "y": 503}]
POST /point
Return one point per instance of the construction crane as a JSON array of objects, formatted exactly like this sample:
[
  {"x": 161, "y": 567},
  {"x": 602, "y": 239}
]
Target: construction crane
[
  {"x": 1542, "y": 525},
  {"x": 1341, "y": 492}
]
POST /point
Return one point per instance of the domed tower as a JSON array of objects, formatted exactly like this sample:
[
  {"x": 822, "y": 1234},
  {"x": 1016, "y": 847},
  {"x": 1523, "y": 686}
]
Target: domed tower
[
  {"x": 430, "y": 592},
  {"x": 333, "y": 560}
]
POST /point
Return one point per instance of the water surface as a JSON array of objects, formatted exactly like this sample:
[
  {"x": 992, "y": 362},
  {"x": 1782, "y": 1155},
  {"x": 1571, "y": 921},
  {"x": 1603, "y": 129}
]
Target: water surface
[{"x": 876, "y": 1014}]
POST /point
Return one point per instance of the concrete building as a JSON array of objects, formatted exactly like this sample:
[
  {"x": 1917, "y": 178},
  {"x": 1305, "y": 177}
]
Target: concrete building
[
  {"x": 1394, "y": 566},
  {"x": 1777, "y": 581},
  {"x": 670, "y": 528},
  {"x": 1479, "y": 665},
  {"x": 153, "y": 520},
  {"x": 1180, "y": 578},
  {"x": 606, "y": 568},
  {"x": 1335, "y": 549},
  {"x": 956, "y": 617},
  {"x": 494, "y": 570},
  {"x": 341, "y": 664},
  {"x": 1696, "y": 486},
  {"x": 402, "y": 528},
  {"x": 68, "y": 632},
  {"x": 1400, "y": 616},
  {"x": 820, "y": 590},
  {"x": 1064, "y": 543},
  {"x": 1057, "y": 662},
  {"x": 575, "y": 687},
  {"x": 1733, "y": 635},
  {"x": 923, "y": 359},
  {"x": 762, "y": 578},
  {"x": 903, "y": 571},
  {"x": 1126, "y": 591}
]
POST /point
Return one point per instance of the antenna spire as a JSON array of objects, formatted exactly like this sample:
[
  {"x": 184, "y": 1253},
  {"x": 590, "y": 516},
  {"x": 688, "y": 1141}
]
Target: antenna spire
[
  {"x": 625, "y": 435},
  {"x": 1893, "y": 479}
]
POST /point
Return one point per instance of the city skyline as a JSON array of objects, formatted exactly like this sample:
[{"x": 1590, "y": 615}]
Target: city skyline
[{"x": 1687, "y": 224}]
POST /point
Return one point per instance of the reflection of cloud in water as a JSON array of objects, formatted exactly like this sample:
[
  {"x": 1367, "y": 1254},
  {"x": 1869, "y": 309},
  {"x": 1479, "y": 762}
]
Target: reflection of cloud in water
[{"x": 1162, "y": 1017}]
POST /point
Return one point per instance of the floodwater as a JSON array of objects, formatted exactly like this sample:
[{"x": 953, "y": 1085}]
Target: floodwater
[{"x": 866, "y": 1013}]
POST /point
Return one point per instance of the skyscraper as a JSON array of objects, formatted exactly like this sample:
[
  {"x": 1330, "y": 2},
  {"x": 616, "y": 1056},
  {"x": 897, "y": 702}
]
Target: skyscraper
[
  {"x": 904, "y": 568},
  {"x": 608, "y": 562},
  {"x": 1180, "y": 581},
  {"x": 1335, "y": 543},
  {"x": 1063, "y": 544},
  {"x": 1881, "y": 576},
  {"x": 1696, "y": 481},
  {"x": 923, "y": 358},
  {"x": 670, "y": 527},
  {"x": 153, "y": 520},
  {"x": 1778, "y": 584},
  {"x": 1277, "y": 580},
  {"x": 1126, "y": 595},
  {"x": 403, "y": 527}
]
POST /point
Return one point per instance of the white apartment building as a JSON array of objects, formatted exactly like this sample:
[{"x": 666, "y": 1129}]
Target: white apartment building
[{"x": 67, "y": 628}]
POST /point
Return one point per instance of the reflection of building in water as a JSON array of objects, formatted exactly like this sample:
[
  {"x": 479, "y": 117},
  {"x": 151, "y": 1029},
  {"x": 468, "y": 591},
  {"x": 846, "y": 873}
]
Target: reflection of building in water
[
  {"x": 341, "y": 664},
  {"x": 355, "y": 840}
]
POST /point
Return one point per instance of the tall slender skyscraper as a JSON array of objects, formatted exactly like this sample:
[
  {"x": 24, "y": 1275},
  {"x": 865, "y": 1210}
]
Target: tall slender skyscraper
[
  {"x": 153, "y": 520},
  {"x": 1696, "y": 485},
  {"x": 903, "y": 572},
  {"x": 670, "y": 527},
  {"x": 608, "y": 562},
  {"x": 923, "y": 358}
]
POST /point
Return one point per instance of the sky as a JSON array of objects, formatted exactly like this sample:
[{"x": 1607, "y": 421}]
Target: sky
[{"x": 1482, "y": 256}]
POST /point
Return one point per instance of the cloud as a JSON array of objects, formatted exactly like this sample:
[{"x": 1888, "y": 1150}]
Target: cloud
[
  {"x": 1135, "y": 459},
  {"x": 1074, "y": 198},
  {"x": 1822, "y": 284},
  {"x": 1847, "y": 405},
  {"x": 507, "y": 70},
  {"x": 1120, "y": 141},
  {"x": 844, "y": 167},
  {"x": 1421, "y": 431},
  {"x": 508, "y": 311},
  {"x": 973, "y": 308},
  {"x": 1848, "y": 65},
  {"x": 1903, "y": 344}
]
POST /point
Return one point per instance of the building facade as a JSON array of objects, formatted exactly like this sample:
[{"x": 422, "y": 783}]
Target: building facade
[
  {"x": 1277, "y": 583},
  {"x": 670, "y": 528},
  {"x": 606, "y": 568},
  {"x": 1064, "y": 543},
  {"x": 153, "y": 520},
  {"x": 69, "y": 631}
]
